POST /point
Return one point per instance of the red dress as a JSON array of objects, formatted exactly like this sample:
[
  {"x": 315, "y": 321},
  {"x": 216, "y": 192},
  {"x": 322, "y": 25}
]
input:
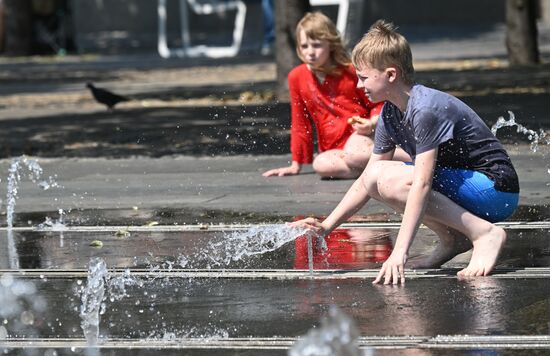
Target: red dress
[{"x": 327, "y": 106}]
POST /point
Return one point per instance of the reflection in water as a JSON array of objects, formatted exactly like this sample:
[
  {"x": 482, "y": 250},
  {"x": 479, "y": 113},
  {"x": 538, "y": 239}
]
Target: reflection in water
[
  {"x": 485, "y": 296},
  {"x": 345, "y": 248}
]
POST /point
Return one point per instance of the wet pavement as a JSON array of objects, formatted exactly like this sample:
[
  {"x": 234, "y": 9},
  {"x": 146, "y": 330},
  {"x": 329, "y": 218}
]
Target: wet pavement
[{"x": 181, "y": 287}]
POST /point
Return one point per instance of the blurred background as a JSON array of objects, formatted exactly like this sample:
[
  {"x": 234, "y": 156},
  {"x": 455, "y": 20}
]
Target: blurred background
[
  {"x": 30, "y": 27},
  {"x": 218, "y": 68}
]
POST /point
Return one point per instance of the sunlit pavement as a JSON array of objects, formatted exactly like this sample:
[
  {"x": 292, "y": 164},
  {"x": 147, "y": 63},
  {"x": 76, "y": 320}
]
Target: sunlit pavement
[{"x": 135, "y": 187}]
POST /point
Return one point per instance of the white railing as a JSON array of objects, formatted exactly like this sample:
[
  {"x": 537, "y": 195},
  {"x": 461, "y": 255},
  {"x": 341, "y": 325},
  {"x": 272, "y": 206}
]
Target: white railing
[
  {"x": 213, "y": 6},
  {"x": 343, "y": 10},
  {"x": 200, "y": 8}
]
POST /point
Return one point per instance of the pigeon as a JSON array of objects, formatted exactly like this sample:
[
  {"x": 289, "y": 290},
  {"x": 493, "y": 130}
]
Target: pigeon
[{"x": 106, "y": 97}]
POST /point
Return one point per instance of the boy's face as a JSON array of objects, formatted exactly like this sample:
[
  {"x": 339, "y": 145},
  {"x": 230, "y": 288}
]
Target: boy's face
[
  {"x": 374, "y": 82},
  {"x": 315, "y": 53}
]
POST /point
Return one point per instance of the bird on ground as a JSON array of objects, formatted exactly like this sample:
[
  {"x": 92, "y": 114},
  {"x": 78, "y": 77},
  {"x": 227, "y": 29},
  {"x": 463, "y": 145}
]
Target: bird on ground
[{"x": 105, "y": 97}]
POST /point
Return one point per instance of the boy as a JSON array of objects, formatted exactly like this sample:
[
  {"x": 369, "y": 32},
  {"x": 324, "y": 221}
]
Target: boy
[{"x": 461, "y": 179}]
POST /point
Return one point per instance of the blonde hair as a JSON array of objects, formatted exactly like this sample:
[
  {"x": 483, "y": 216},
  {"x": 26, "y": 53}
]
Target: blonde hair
[
  {"x": 382, "y": 47},
  {"x": 319, "y": 27}
]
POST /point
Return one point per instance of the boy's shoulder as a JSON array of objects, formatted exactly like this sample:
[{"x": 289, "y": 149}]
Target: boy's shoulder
[
  {"x": 426, "y": 97},
  {"x": 422, "y": 91}
]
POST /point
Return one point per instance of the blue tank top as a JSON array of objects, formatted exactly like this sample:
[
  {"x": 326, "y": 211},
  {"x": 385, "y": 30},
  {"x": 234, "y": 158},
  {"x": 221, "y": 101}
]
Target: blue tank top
[{"x": 434, "y": 119}]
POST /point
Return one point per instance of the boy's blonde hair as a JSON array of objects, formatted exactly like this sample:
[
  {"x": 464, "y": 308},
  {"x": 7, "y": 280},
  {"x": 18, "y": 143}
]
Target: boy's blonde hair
[
  {"x": 382, "y": 47},
  {"x": 319, "y": 27}
]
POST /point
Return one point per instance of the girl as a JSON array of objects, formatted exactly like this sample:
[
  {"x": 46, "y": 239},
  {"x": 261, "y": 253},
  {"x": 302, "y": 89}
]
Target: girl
[{"x": 324, "y": 94}]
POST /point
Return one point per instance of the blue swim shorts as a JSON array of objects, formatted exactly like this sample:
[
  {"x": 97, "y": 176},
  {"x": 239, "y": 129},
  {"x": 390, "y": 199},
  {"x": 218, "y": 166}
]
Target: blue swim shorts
[{"x": 475, "y": 192}]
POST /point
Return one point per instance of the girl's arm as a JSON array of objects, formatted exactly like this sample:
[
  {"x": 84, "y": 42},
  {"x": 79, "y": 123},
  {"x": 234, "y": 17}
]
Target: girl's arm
[
  {"x": 301, "y": 125},
  {"x": 392, "y": 269},
  {"x": 301, "y": 133}
]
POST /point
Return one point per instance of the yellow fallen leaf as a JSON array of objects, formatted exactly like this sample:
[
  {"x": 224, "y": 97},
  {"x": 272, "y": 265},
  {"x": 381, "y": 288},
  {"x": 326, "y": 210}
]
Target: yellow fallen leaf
[
  {"x": 96, "y": 243},
  {"x": 122, "y": 233}
]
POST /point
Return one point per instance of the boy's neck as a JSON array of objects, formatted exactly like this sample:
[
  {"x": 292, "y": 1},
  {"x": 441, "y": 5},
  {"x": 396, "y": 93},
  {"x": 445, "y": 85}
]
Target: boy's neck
[{"x": 400, "y": 97}]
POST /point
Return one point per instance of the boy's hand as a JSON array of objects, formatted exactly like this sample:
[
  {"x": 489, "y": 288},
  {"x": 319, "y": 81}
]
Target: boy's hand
[
  {"x": 393, "y": 270},
  {"x": 310, "y": 224},
  {"x": 361, "y": 125}
]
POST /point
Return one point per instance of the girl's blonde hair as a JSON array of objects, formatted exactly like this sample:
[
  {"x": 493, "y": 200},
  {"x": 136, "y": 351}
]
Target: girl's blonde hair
[
  {"x": 319, "y": 27},
  {"x": 382, "y": 47}
]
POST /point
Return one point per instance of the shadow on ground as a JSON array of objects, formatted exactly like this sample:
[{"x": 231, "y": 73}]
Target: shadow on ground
[
  {"x": 217, "y": 130},
  {"x": 194, "y": 216},
  {"x": 243, "y": 128}
]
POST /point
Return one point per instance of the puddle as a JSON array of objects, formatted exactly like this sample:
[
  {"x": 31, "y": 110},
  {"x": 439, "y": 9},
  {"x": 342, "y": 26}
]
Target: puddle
[
  {"x": 214, "y": 308},
  {"x": 354, "y": 248}
]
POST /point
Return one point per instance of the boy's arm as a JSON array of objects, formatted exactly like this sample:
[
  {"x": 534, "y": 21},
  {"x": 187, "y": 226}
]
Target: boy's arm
[
  {"x": 392, "y": 269},
  {"x": 355, "y": 198}
]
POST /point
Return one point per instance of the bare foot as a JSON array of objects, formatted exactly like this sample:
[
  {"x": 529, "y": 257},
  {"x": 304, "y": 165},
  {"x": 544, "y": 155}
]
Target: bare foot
[
  {"x": 486, "y": 250},
  {"x": 444, "y": 251}
]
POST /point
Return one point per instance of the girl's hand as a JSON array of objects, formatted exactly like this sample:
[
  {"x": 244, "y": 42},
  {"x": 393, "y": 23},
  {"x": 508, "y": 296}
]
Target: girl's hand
[
  {"x": 361, "y": 125},
  {"x": 393, "y": 270},
  {"x": 310, "y": 224},
  {"x": 284, "y": 171}
]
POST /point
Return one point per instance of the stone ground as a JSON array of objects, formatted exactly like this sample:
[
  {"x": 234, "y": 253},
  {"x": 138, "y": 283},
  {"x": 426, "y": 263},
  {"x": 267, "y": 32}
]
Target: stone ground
[{"x": 189, "y": 149}]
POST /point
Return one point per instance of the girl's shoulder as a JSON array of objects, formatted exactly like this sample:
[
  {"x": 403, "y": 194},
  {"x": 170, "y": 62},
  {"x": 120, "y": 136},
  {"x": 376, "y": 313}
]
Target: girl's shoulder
[
  {"x": 299, "y": 71},
  {"x": 347, "y": 70}
]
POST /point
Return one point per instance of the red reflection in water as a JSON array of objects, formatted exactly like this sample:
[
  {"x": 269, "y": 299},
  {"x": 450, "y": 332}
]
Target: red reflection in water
[{"x": 346, "y": 248}]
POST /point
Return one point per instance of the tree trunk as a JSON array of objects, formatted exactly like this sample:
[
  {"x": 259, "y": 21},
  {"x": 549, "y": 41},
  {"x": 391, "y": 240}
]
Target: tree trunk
[
  {"x": 521, "y": 32},
  {"x": 287, "y": 15},
  {"x": 18, "y": 27}
]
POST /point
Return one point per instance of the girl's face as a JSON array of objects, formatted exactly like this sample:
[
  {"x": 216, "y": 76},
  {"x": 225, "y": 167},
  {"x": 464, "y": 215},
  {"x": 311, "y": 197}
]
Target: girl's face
[
  {"x": 374, "y": 82},
  {"x": 316, "y": 53}
]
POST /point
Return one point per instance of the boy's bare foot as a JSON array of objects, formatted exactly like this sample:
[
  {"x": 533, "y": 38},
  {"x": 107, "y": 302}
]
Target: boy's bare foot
[
  {"x": 444, "y": 251},
  {"x": 486, "y": 250}
]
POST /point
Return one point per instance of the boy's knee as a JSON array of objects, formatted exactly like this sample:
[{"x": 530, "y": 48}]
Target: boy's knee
[
  {"x": 383, "y": 183},
  {"x": 391, "y": 186},
  {"x": 371, "y": 177}
]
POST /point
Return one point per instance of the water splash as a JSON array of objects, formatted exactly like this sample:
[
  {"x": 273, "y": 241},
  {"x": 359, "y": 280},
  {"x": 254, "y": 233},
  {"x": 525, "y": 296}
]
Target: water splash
[
  {"x": 14, "y": 177},
  {"x": 116, "y": 285},
  {"x": 104, "y": 287},
  {"x": 534, "y": 137},
  {"x": 93, "y": 300},
  {"x": 53, "y": 225},
  {"x": 337, "y": 336},
  {"x": 238, "y": 245},
  {"x": 100, "y": 284}
]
